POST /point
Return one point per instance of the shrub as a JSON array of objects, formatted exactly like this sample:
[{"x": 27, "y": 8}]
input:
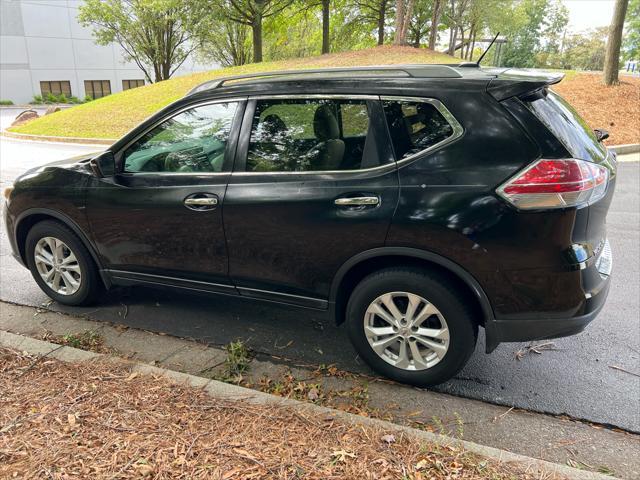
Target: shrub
[
  {"x": 62, "y": 98},
  {"x": 88, "y": 98},
  {"x": 73, "y": 99},
  {"x": 6, "y": 102},
  {"x": 37, "y": 100},
  {"x": 50, "y": 98}
]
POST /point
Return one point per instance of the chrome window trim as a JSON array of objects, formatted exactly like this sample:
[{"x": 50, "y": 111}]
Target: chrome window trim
[
  {"x": 202, "y": 103},
  {"x": 458, "y": 130}
]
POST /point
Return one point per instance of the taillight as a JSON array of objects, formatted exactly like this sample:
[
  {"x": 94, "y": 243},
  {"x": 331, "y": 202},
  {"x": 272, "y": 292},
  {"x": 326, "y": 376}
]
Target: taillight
[{"x": 556, "y": 184}]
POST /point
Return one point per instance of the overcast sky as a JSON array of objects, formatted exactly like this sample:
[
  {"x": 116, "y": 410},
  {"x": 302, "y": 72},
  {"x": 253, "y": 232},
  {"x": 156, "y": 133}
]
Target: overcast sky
[{"x": 585, "y": 14}]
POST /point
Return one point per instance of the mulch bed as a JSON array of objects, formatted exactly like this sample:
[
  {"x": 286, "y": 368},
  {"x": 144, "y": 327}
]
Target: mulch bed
[
  {"x": 615, "y": 109},
  {"x": 98, "y": 420}
]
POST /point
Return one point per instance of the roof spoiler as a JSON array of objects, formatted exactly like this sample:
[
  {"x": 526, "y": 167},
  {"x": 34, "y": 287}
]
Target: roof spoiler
[{"x": 515, "y": 83}]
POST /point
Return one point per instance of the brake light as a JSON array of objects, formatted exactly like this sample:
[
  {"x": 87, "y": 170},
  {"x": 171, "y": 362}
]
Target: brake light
[{"x": 556, "y": 184}]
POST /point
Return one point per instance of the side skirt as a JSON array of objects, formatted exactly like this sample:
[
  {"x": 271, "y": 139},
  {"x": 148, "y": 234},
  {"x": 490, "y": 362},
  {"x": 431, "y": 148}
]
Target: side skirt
[{"x": 126, "y": 278}]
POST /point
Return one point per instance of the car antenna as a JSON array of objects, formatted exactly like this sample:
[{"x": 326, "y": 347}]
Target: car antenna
[{"x": 488, "y": 48}]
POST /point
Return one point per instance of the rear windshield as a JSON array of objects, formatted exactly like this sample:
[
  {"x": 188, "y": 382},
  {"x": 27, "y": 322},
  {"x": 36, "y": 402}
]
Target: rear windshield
[{"x": 568, "y": 127}]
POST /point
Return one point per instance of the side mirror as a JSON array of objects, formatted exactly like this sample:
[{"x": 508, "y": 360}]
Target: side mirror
[
  {"x": 103, "y": 165},
  {"x": 601, "y": 134}
]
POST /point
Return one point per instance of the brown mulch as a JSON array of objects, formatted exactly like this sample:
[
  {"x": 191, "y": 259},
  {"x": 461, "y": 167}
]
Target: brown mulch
[
  {"x": 615, "y": 109},
  {"x": 98, "y": 420}
]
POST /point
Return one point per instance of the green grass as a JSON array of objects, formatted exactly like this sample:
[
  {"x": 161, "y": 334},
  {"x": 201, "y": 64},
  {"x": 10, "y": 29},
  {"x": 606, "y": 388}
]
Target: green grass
[{"x": 111, "y": 117}]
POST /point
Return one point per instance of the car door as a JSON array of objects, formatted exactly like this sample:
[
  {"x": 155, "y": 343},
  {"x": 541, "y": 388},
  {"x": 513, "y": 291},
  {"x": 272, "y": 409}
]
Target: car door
[
  {"x": 159, "y": 218},
  {"x": 314, "y": 184}
]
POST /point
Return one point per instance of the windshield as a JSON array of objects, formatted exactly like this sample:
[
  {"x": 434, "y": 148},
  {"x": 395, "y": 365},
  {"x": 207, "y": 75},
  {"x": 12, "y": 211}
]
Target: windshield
[{"x": 568, "y": 127}]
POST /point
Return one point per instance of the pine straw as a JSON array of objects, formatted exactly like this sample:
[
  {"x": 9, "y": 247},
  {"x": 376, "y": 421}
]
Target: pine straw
[
  {"x": 97, "y": 420},
  {"x": 615, "y": 109}
]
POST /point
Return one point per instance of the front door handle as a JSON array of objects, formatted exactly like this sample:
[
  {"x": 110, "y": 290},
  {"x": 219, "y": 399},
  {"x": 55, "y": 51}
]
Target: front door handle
[
  {"x": 357, "y": 201},
  {"x": 201, "y": 201}
]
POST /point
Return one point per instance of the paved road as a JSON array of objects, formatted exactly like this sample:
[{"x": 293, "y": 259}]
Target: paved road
[{"x": 575, "y": 380}]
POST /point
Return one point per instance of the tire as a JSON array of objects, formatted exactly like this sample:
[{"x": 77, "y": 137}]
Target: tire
[
  {"x": 83, "y": 270},
  {"x": 452, "y": 320}
]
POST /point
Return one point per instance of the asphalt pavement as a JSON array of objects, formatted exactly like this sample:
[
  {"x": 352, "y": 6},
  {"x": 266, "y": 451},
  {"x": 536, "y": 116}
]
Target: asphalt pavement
[{"x": 576, "y": 379}]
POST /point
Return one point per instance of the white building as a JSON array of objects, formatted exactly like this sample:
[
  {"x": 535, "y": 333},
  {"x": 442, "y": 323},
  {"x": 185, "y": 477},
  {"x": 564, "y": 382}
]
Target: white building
[{"x": 44, "y": 49}]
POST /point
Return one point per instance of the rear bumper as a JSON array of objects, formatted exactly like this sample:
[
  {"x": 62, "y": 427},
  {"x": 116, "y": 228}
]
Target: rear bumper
[
  {"x": 529, "y": 329},
  {"x": 499, "y": 331}
]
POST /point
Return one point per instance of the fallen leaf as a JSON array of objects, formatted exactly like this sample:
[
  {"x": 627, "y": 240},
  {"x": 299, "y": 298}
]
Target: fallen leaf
[
  {"x": 341, "y": 455},
  {"x": 71, "y": 418},
  {"x": 313, "y": 394},
  {"x": 132, "y": 376},
  {"x": 389, "y": 438},
  {"x": 422, "y": 464}
]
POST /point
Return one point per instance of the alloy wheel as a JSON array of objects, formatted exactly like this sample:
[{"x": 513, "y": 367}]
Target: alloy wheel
[
  {"x": 406, "y": 331},
  {"x": 57, "y": 265}
]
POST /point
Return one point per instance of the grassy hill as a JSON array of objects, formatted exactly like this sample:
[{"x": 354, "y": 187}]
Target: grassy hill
[{"x": 111, "y": 117}]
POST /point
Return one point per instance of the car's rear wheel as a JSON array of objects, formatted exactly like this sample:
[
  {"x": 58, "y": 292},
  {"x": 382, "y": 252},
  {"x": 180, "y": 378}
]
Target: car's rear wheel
[
  {"x": 61, "y": 265},
  {"x": 411, "y": 325}
]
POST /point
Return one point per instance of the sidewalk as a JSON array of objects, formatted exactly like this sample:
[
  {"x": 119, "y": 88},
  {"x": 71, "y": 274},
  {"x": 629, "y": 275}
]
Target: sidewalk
[{"x": 555, "y": 439}]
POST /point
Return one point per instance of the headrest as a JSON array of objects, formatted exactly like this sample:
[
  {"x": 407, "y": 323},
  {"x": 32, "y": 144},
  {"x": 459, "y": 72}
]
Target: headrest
[
  {"x": 273, "y": 125},
  {"x": 325, "y": 124}
]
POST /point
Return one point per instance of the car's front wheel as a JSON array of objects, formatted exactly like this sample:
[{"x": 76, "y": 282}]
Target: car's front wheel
[
  {"x": 61, "y": 265},
  {"x": 411, "y": 325}
]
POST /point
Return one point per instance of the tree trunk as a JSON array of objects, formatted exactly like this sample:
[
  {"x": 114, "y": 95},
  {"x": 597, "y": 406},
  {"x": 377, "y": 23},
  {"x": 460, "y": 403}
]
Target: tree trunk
[
  {"x": 462, "y": 43},
  {"x": 325, "y": 27},
  {"x": 382, "y": 15},
  {"x": 612, "y": 56},
  {"x": 256, "y": 29},
  {"x": 408, "y": 14},
  {"x": 453, "y": 38},
  {"x": 473, "y": 46},
  {"x": 435, "y": 20},
  {"x": 398, "y": 40}
]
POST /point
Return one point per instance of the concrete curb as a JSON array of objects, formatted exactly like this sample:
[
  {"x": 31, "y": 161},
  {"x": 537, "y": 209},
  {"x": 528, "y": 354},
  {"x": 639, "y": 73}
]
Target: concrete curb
[
  {"x": 625, "y": 149},
  {"x": 45, "y": 138},
  {"x": 233, "y": 392}
]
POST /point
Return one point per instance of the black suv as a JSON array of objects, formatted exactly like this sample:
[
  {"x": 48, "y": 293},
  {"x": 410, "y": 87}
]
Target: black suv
[{"x": 414, "y": 203}]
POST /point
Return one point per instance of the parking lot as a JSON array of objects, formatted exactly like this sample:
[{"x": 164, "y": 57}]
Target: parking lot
[{"x": 576, "y": 378}]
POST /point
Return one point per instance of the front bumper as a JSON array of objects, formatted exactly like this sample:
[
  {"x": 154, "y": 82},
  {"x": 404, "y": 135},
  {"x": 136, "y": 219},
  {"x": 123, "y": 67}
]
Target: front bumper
[{"x": 521, "y": 330}]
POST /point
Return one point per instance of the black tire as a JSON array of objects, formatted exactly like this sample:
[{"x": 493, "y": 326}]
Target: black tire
[
  {"x": 90, "y": 284},
  {"x": 438, "y": 290}
]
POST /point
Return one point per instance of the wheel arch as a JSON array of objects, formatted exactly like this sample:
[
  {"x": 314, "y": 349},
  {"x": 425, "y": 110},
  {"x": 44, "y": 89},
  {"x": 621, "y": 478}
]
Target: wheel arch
[
  {"x": 27, "y": 219},
  {"x": 361, "y": 265}
]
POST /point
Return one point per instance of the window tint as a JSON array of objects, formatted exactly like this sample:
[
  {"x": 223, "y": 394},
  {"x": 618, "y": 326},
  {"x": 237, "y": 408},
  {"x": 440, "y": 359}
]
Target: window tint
[
  {"x": 311, "y": 135},
  {"x": 192, "y": 141},
  {"x": 414, "y": 126},
  {"x": 568, "y": 127}
]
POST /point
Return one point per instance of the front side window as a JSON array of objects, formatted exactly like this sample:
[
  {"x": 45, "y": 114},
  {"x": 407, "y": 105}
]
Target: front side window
[
  {"x": 414, "y": 126},
  {"x": 301, "y": 135},
  {"x": 192, "y": 141}
]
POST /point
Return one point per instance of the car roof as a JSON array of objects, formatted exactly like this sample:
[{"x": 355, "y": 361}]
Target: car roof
[{"x": 504, "y": 82}]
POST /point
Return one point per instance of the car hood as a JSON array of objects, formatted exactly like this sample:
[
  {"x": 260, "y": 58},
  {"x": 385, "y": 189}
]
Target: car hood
[{"x": 76, "y": 163}]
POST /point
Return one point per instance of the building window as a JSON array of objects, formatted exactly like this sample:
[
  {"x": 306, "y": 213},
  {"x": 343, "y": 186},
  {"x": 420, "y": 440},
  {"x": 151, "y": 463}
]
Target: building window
[
  {"x": 127, "y": 84},
  {"x": 55, "y": 88},
  {"x": 97, "y": 88}
]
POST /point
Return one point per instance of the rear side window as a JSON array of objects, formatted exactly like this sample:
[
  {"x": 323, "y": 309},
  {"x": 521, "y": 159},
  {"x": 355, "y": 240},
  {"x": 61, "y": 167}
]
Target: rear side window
[
  {"x": 311, "y": 135},
  {"x": 567, "y": 126},
  {"x": 414, "y": 126}
]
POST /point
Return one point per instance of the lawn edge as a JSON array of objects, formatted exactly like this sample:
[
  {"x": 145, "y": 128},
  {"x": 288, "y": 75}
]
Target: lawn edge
[{"x": 227, "y": 391}]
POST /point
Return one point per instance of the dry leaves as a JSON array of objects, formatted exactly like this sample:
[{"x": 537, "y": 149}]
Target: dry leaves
[{"x": 97, "y": 420}]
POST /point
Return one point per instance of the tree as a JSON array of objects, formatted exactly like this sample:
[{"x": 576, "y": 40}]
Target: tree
[
  {"x": 420, "y": 22},
  {"x": 631, "y": 45},
  {"x": 155, "y": 35},
  {"x": 404, "y": 12},
  {"x": 583, "y": 51},
  {"x": 250, "y": 13},
  {"x": 436, "y": 13},
  {"x": 325, "y": 27},
  {"x": 614, "y": 42},
  {"x": 524, "y": 33},
  {"x": 225, "y": 42},
  {"x": 374, "y": 12}
]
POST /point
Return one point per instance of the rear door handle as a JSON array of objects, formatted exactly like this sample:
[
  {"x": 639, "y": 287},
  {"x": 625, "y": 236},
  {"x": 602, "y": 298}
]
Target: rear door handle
[
  {"x": 201, "y": 201},
  {"x": 357, "y": 201}
]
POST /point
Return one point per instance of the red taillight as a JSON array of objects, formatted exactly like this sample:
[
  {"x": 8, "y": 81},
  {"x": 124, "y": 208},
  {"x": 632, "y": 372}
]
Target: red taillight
[{"x": 556, "y": 184}]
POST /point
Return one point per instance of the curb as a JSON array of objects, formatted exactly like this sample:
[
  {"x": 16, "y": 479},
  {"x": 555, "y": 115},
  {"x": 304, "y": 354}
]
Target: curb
[
  {"x": 625, "y": 149},
  {"x": 45, "y": 138},
  {"x": 233, "y": 392}
]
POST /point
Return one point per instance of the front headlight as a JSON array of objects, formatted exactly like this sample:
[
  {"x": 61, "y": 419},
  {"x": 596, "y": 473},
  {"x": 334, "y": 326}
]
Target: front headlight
[{"x": 7, "y": 192}]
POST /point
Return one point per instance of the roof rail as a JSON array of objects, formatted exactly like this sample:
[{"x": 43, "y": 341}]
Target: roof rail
[{"x": 413, "y": 71}]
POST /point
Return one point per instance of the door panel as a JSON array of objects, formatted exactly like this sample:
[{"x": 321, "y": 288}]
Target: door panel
[
  {"x": 161, "y": 215},
  {"x": 285, "y": 232}
]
